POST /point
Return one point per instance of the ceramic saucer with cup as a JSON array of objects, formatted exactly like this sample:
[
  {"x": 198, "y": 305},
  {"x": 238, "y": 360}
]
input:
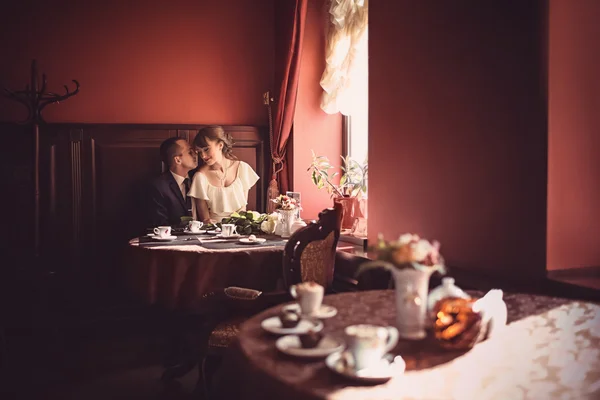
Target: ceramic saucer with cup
[
  {"x": 163, "y": 233},
  {"x": 385, "y": 369},
  {"x": 302, "y": 326},
  {"x": 309, "y": 296},
  {"x": 229, "y": 231},
  {"x": 195, "y": 228},
  {"x": 293, "y": 345},
  {"x": 367, "y": 344},
  {"x": 365, "y": 357},
  {"x": 323, "y": 312}
]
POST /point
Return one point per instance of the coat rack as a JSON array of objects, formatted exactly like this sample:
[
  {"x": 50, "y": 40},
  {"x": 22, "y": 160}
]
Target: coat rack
[{"x": 35, "y": 100}]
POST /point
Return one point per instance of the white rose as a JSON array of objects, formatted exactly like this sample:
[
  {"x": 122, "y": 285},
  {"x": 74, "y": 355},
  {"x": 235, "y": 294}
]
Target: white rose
[
  {"x": 268, "y": 226},
  {"x": 407, "y": 238},
  {"x": 421, "y": 249},
  {"x": 274, "y": 217}
]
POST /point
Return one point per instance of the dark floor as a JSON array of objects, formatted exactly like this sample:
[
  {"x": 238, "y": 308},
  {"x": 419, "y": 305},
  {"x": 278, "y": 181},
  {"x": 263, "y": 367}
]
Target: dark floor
[
  {"x": 88, "y": 367},
  {"x": 79, "y": 364}
]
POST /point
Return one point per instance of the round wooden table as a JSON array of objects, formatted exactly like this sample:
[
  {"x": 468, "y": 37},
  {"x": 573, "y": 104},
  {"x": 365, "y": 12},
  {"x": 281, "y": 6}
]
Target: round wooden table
[{"x": 550, "y": 349}]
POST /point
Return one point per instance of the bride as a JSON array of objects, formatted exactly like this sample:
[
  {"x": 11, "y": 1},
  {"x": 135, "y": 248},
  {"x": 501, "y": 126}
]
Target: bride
[{"x": 221, "y": 185}]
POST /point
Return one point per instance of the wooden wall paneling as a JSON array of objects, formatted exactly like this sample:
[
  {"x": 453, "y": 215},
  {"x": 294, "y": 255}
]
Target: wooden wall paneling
[
  {"x": 61, "y": 198},
  {"x": 120, "y": 162},
  {"x": 16, "y": 202}
]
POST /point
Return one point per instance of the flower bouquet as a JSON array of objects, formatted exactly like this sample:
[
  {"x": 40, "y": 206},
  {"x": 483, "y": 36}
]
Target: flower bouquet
[
  {"x": 409, "y": 251},
  {"x": 249, "y": 222},
  {"x": 411, "y": 260},
  {"x": 286, "y": 206},
  {"x": 283, "y": 202}
]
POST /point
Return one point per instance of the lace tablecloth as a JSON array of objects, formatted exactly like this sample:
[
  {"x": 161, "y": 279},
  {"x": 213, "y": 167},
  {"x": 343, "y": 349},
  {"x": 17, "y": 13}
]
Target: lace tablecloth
[
  {"x": 550, "y": 350},
  {"x": 176, "y": 277}
]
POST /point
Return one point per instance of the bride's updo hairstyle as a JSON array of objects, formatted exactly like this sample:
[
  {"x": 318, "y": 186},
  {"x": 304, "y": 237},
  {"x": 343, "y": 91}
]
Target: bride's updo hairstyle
[{"x": 218, "y": 134}]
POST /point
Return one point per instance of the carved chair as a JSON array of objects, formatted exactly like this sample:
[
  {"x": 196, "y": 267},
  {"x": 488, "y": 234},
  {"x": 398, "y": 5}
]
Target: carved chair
[{"x": 309, "y": 255}]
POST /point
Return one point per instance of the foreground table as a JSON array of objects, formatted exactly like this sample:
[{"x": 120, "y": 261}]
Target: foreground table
[{"x": 550, "y": 349}]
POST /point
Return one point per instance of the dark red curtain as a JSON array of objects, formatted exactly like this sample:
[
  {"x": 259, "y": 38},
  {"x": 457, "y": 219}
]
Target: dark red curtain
[{"x": 290, "y": 22}]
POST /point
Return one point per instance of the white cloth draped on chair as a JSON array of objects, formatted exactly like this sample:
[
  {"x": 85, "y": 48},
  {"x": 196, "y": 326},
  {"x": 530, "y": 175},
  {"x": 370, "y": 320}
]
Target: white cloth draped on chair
[{"x": 344, "y": 80}]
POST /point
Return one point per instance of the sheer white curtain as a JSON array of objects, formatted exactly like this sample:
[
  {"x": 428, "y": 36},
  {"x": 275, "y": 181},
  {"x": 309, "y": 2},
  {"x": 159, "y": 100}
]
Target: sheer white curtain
[{"x": 345, "y": 79}]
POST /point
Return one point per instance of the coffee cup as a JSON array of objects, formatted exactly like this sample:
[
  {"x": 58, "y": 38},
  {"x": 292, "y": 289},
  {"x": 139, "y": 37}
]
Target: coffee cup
[
  {"x": 194, "y": 226},
  {"x": 163, "y": 231},
  {"x": 367, "y": 344},
  {"x": 228, "y": 230},
  {"x": 309, "y": 296}
]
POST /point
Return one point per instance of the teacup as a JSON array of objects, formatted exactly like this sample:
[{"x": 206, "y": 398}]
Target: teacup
[
  {"x": 367, "y": 344},
  {"x": 228, "y": 230},
  {"x": 163, "y": 231},
  {"x": 309, "y": 296},
  {"x": 194, "y": 226}
]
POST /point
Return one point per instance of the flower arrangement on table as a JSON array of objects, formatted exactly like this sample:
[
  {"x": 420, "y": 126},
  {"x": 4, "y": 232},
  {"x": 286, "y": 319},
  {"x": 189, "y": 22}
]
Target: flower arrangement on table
[
  {"x": 283, "y": 202},
  {"x": 411, "y": 260},
  {"x": 409, "y": 251},
  {"x": 248, "y": 222}
]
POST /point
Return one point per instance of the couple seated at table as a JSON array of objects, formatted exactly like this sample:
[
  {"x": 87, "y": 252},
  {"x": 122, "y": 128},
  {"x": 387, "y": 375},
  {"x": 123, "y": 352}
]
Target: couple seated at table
[{"x": 207, "y": 193}]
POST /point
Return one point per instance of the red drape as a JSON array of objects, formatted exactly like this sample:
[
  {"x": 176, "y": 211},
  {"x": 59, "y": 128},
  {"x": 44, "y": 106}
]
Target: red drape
[{"x": 290, "y": 22}]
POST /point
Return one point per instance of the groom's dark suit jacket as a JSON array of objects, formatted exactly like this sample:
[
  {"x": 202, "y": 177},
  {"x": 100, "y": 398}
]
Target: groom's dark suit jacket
[{"x": 166, "y": 204}]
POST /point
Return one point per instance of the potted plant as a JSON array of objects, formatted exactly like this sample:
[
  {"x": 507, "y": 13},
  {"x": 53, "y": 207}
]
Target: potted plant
[{"x": 351, "y": 188}]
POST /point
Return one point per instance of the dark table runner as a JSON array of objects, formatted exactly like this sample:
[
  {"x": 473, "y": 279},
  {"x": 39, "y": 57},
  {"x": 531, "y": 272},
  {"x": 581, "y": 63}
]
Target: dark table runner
[
  {"x": 182, "y": 240},
  {"x": 236, "y": 244}
]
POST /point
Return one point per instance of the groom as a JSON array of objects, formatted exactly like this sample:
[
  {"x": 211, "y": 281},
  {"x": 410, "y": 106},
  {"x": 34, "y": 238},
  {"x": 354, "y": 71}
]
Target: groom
[{"x": 168, "y": 200}]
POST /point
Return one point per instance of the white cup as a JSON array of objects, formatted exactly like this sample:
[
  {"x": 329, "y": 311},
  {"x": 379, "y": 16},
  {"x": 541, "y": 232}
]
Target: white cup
[
  {"x": 194, "y": 226},
  {"x": 163, "y": 231},
  {"x": 228, "y": 230},
  {"x": 367, "y": 344},
  {"x": 309, "y": 296}
]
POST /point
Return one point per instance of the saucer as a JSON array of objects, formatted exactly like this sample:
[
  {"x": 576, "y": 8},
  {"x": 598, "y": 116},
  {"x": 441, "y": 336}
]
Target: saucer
[
  {"x": 200, "y": 232},
  {"x": 166, "y": 238},
  {"x": 323, "y": 312},
  {"x": 235, "y": 235},
  {"x": 214, "y": 232},
  {"x": 388, "y": 368},
  {"x": 273, "y": 325},
  {"x": 291, "y": 346},
  {"x": 255, "y": 241}
]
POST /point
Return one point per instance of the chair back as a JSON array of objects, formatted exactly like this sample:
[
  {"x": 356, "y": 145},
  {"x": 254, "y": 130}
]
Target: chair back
[{"x": 309, "y": 254}]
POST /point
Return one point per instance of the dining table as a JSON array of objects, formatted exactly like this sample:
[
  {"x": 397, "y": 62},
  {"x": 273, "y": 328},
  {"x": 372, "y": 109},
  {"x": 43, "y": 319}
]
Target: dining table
[
  {"x": 174, "y": 274},
  {"x": 549, "y": 349}
]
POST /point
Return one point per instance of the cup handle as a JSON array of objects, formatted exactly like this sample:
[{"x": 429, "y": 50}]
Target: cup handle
[
  {"x": 392, "y": 338},
  {"x": 234, "y": 231},
  {"x": 156, "y": 231},
  {"x": 293, "y": 291}
]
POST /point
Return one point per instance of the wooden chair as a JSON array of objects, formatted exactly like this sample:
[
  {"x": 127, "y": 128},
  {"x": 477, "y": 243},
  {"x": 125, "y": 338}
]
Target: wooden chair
[{"x": 309, "y": 255}]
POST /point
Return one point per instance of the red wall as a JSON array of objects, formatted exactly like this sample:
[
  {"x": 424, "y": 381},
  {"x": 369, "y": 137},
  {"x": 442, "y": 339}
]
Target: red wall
[
  {"x": 313, "y": 128},
  {"x": 150, "y": 61},
  {"x": 458, "y": 130},
  {"x": 574, "y": 135}
]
